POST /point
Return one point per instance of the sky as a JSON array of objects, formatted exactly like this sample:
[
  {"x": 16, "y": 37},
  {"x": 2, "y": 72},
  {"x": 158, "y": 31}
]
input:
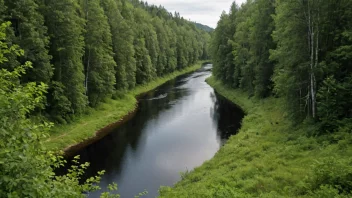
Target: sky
[{"x": 206, "y": 12}]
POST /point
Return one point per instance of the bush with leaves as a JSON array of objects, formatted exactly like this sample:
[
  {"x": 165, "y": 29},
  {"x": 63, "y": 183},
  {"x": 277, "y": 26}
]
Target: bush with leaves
[
  {"x": 333, "y": 175},
  {"x": 26, "y": 168}
]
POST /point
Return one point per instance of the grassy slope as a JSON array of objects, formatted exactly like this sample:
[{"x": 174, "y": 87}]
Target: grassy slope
[
  {"x": 270, "y": 157},
  {"x": 85, "y": 127}
]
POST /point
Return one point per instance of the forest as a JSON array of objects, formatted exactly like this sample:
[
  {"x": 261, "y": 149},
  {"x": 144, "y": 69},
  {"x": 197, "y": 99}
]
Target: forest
[
  {"x": 288, "y": 64},
  {"x": 87, "y": 51},
  {"x": 59, "y": 59},
  {"x": 296, "y": 50}
]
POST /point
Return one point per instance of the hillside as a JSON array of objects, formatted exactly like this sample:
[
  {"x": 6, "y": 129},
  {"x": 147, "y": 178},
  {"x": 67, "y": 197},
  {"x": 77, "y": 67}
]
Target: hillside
[{"x": 204, "y": 27}]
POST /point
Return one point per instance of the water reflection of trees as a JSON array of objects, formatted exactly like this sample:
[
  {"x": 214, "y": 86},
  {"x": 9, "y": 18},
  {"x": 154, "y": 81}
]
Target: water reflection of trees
[
  {"x": 109, "y": 153},
  {"x": 226, "y": 116}
]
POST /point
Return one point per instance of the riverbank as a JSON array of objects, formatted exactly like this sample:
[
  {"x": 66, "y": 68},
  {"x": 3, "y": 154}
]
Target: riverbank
[
  {"x": 270, "y": 157},
  {"x": 97, "y": 122}
]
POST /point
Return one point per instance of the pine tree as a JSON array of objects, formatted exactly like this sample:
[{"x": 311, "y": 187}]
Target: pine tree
[
  {"x": 261, "y": 43},
  {"x": 119, "y": 29},
  {"x": 144, "y": 63},
  {"x": 241, "y": 48},
  {"x": 222, "y": 49},
  {"x": 297, "y": 39},
  {"x": 126, "y": 54},
  {"x": 163, "y": 42},
  {"x": 66, "y": 27},
  {"x": 145, "y": 47},
  {"x": 182, "y": 56},
  {"x": 172, "y": 47},
  {"x": 31, "y": 35},
  {"x": 98, "y": 59}
]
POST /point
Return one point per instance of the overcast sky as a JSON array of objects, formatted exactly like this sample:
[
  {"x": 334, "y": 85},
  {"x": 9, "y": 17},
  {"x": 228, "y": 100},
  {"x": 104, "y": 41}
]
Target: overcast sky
[{"x": 206, "y": 12}]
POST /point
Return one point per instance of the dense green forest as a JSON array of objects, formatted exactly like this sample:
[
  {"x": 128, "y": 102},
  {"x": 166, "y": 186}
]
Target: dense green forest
[
  {"x": 297, "y": 50},
  {"x": 204, "y": 27},
  {"x": 58, "y": 59},
  {"x": 288, "y": 64},
  {"x": 86, "y": 51}
]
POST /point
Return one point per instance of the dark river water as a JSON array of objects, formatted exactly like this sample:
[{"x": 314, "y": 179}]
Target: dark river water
[{"x": 177, "y": 127}]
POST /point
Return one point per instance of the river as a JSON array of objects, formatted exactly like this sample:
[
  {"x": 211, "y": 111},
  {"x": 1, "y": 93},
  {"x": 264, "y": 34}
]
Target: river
[{"x": 176, "y": 128}]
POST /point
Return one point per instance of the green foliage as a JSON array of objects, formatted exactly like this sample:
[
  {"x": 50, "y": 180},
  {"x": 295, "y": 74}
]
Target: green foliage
[
  {"x": 2, "y": 10},
  {"x": 330, "y": 103},
  {"x": 111, "y": 188},
  {"x": 270, "y": 157},
  {"x": 121, "y": 42},
  {"x": 327, "y": 191},
  {"x": 144, "y": 63},
  {"x": 222, "y": 50},
  {"x": 98, "y": 58},
  {"x": 261, "y": 42},
  {"x": 292, "y": 57},
  {"x": 204, "y": 27},
  {"x": 65, "y": 27},
  {"x": 30, "y": 33},
  {"x": 87, "y": 50},
  {"x": 27, "y": 169},
  {"x": 294, "y": 49},
  {"x": 334, "y": 173},
  {"x": 123, "y": 103}
]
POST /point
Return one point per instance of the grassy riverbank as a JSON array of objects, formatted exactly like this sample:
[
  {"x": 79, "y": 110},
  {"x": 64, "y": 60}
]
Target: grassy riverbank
[
  {"x": 270, "y": 157},
  {"x": 111, "y": 111}
]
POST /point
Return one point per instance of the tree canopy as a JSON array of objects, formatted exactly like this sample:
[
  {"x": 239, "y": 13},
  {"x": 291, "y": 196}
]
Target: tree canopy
[
  {"x": 297, "y": 50},
  {"x": 85, "y": 51},
  {"x": 58, "y": 59}
]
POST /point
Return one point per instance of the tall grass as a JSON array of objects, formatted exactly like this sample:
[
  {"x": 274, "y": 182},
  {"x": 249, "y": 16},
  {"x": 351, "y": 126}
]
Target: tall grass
[{"x": 271, "y": 157}]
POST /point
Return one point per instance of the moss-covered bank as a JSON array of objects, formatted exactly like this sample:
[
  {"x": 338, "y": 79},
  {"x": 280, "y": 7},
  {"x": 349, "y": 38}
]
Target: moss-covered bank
[
  {"x": 270, "y": 157},
  {"x": 92, "y": 126}
]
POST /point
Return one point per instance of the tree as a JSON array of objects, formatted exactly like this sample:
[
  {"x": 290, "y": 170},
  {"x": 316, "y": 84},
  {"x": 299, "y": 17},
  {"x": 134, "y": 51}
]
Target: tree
[
  {"x": 222, "y": 49},
  {"x": 144, "y": 63},
  {"x": 244, "y": 72},
  {"x": 205, "y": 46},
  {"x": 126, "y": 55},
  {"x": 31, "y": 34},
  {"x": 86, "y": 49},
  {"x": 261, "y": 43},
  {"x": 66, "y": 27},
  {"x": 145, "y": 47},
  {"x": 171, "y": 49},
  {"x": 121, "y": 42},
  {"x": 163, "y": 42},
  {"x": 292, "y": 57},
  {"x": 98, "y": 59},
  {"x": 299, "y": 40},
  {"x": 300, "y": 49},
  {"x": 27, "y": 169},
  {"x": 334, "y": 92}
]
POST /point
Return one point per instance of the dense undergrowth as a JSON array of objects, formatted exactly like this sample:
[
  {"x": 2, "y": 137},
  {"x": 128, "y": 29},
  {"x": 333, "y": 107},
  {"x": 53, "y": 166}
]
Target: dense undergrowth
[
  {"x": 110, "y": 111},
  {"x": 271, "y": 157}
]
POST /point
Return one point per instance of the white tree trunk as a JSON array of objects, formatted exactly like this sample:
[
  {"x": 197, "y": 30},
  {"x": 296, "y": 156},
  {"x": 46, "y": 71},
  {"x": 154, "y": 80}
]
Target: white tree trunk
[{"x": 313, "y": 49}]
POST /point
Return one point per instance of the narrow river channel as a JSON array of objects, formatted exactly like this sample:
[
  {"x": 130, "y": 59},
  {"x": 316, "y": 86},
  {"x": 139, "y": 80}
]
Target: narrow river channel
[{"x": 177, "y": 127}]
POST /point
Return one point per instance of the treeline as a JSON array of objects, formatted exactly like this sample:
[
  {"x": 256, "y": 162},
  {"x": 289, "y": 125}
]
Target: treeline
[
  {"x": 27, "y": 168},
  {"x": 297, "y": 50},
  {"x": 87, "y": 50}
]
